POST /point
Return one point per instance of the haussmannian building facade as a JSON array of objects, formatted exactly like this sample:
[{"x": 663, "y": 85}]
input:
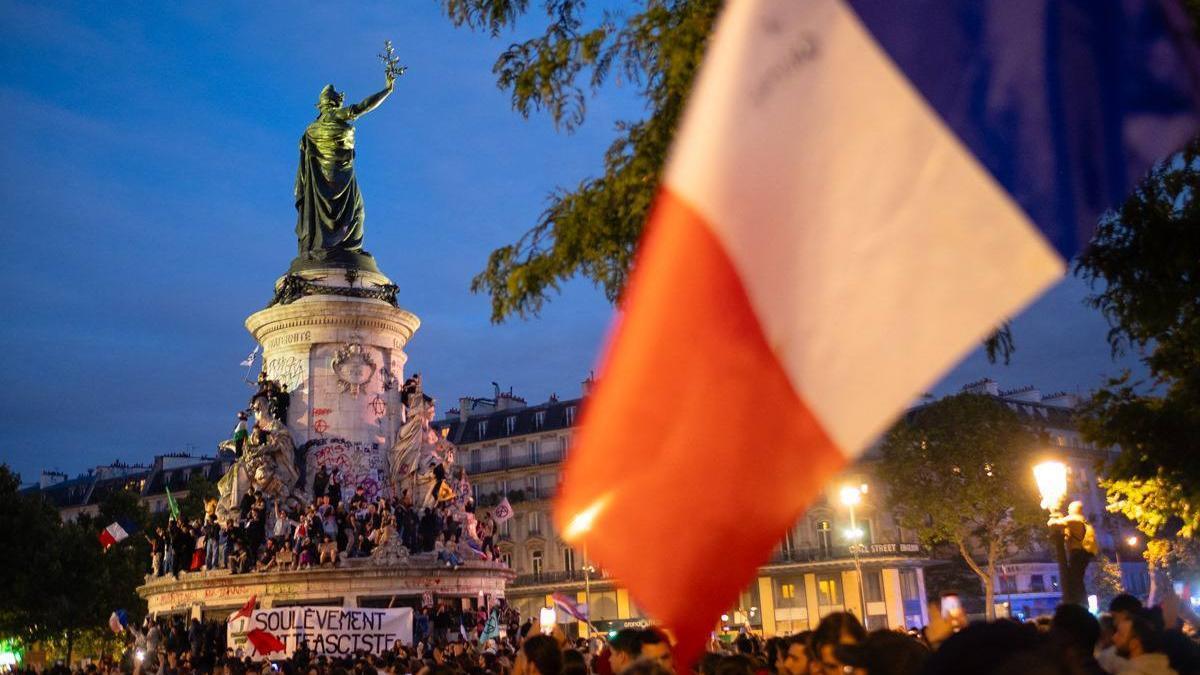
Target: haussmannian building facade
[{"x": 514, "y": 449}]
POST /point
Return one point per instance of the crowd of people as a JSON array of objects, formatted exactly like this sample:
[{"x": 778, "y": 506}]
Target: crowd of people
[
  {"x": 265, "y": 535},
  {"x": 1129, "y": 639},
  {"x": 325, "y": 524}
]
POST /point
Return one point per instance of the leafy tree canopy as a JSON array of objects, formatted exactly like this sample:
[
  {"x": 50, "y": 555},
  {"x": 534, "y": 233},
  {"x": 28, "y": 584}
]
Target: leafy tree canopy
[
  {"x": 592, "y": 229},
  {"x": 60, "y": 583},
  {"x": 1144, "y": 268},
  {"x": 958, "y": 471}
]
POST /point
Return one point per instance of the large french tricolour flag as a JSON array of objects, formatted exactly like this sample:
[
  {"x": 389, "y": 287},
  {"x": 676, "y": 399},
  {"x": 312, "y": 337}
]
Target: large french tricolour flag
[{"x": 859, "y": 193}]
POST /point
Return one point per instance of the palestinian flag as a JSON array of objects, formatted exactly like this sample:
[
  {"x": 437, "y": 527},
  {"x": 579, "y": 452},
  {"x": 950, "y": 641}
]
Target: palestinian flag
[{"x": 172, "y": 504}]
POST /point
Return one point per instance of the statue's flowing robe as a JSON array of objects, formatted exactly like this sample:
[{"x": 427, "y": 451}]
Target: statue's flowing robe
[
  {"x": 406, "y": 450},
  {"x": 329, "y": 207}
]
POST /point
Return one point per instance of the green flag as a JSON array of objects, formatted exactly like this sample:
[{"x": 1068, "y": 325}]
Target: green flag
[
  {"x": 172, "y": 505},
  {"x": 491, "y": 629}
]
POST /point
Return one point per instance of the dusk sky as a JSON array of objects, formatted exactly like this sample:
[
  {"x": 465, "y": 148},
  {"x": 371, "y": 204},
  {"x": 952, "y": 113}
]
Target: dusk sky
[{"x": 148, "y": 173}]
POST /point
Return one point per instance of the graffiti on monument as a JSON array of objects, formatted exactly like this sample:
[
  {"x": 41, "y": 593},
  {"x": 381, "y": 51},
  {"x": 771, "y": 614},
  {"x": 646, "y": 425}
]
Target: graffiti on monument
[
  {"x": 286, "y": 369},
  {"x": 358, "y": 463}
]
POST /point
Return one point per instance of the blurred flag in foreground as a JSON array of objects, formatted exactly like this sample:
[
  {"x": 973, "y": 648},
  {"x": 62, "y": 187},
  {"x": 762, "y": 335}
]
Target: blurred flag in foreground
[{"x": 860, "y": 192}]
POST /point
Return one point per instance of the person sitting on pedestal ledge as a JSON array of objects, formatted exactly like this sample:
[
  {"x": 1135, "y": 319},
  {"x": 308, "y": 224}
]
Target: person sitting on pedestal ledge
[{"x": 278, "y": 402}]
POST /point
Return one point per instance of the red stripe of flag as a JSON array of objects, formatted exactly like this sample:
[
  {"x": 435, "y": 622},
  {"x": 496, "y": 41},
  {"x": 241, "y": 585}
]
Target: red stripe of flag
[{"x": 684, "y": 512}]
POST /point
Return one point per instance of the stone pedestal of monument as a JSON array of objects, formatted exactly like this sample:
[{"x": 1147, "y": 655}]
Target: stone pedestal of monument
[{"x": 336, "y": 339}]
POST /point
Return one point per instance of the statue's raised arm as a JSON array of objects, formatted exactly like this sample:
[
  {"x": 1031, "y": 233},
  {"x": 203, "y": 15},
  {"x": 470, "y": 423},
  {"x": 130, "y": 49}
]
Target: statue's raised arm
[{"x": 372, "y": 102}]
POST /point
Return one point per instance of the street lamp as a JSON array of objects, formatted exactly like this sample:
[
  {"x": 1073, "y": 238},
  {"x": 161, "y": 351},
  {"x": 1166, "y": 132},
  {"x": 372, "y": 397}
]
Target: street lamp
[
  {"x": 852, "y": 496},
  {"x": 1051, "y": 477},
  {"x": 1132, "y": 541}
]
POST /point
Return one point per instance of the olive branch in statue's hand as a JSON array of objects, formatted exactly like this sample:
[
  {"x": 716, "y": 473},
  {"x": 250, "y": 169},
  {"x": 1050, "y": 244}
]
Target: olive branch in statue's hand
[{"x": 391, "y": 63}]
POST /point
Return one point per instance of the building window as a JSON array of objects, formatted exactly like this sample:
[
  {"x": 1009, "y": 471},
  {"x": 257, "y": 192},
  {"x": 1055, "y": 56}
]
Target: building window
[
  {"x": 504, "y": 531},
  {"x": 1008, "y": 584},
  {"x": 910, "y": 589},
  {"x": 873, "y": 585},
  {"x": 510, "y": 424},
  {"x": 506, "y": 558},
  {"x": 535, "y": 523},
  {"x": 535, "y": 560},
  {"x": 829, "y": 593},
  {"x": 1037, "y": 583},
  {"x": 824, "y": 538},
  {"x": 569, "y": 559},
  {"x": 539, "y": 419},
  {"x": 569, "y": 415},
  {"x": 483, "y": 428},
  {"x": 787, "y": 591},
  {"x": 789, "y": 543}
]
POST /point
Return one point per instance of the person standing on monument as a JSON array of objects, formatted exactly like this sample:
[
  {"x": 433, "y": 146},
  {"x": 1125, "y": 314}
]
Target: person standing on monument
[
  {"x": 320, "y": 483},
  {"x": 240, "y": 434}
]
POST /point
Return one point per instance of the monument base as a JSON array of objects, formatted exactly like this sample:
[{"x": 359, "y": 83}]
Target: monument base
[
  {"x": 338, "y": 259},
  {"x": 355, "y": 582}
]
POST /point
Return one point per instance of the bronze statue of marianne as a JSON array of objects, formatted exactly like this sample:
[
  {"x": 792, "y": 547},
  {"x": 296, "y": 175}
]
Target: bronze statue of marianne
[{"x": 329, "y": 207}]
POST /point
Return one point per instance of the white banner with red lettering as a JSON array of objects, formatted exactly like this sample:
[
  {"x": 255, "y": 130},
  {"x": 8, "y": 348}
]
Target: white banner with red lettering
[{"x": 330, "y": 631}]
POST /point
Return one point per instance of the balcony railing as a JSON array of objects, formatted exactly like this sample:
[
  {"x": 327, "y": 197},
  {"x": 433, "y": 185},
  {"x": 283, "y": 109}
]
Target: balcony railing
[
  {"x": 556, "y": 577},
  {"x": 542, "y": 457},
  {"x": 874, "y": 550}
]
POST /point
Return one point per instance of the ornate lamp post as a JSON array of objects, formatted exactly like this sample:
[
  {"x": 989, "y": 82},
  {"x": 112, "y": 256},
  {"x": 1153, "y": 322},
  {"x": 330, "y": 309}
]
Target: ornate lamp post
[
  {"x": 1051, "y": 477},
  {"x": 851, "y": 496}
]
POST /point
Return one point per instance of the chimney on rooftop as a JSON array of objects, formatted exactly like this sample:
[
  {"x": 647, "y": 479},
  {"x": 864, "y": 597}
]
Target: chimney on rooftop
[
  {"x": 1028, "y": 394},
  {"x": 51, "y": 478},
  {"x": 987, "y": 387},
  {"x": 1061, "y": 400}
]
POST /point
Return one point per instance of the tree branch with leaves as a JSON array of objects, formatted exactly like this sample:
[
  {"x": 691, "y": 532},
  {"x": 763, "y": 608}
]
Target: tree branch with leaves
[{"x": 1144, "y": 269}]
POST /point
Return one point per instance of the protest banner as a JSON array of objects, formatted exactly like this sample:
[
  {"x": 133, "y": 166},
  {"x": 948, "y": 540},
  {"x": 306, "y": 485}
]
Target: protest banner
[{"x": 329, "y": 631}]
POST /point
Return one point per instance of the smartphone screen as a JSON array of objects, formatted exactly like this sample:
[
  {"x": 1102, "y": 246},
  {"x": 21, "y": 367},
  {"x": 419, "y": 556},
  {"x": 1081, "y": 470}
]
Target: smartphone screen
[
  {"x": 547, "y": 619},
  {"x": 951, "y": 605}
]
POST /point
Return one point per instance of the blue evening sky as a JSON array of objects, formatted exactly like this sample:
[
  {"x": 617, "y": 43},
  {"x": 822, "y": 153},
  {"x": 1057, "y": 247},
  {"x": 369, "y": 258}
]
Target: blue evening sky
[{"x": 147, "y": 195}]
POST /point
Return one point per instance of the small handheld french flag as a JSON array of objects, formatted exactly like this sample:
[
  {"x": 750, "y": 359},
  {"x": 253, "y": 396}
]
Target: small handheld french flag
[
  {"x": 118, "y": 621},
  {"x": 117, "y": 532},
  {"x": 566, "y": 604}
]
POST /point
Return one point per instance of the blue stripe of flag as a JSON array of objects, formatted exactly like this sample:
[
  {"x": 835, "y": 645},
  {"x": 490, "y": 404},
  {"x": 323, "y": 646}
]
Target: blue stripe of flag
[
  {"x": 129, "y": 526},
  {"x": 1066, "y": 102}
]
